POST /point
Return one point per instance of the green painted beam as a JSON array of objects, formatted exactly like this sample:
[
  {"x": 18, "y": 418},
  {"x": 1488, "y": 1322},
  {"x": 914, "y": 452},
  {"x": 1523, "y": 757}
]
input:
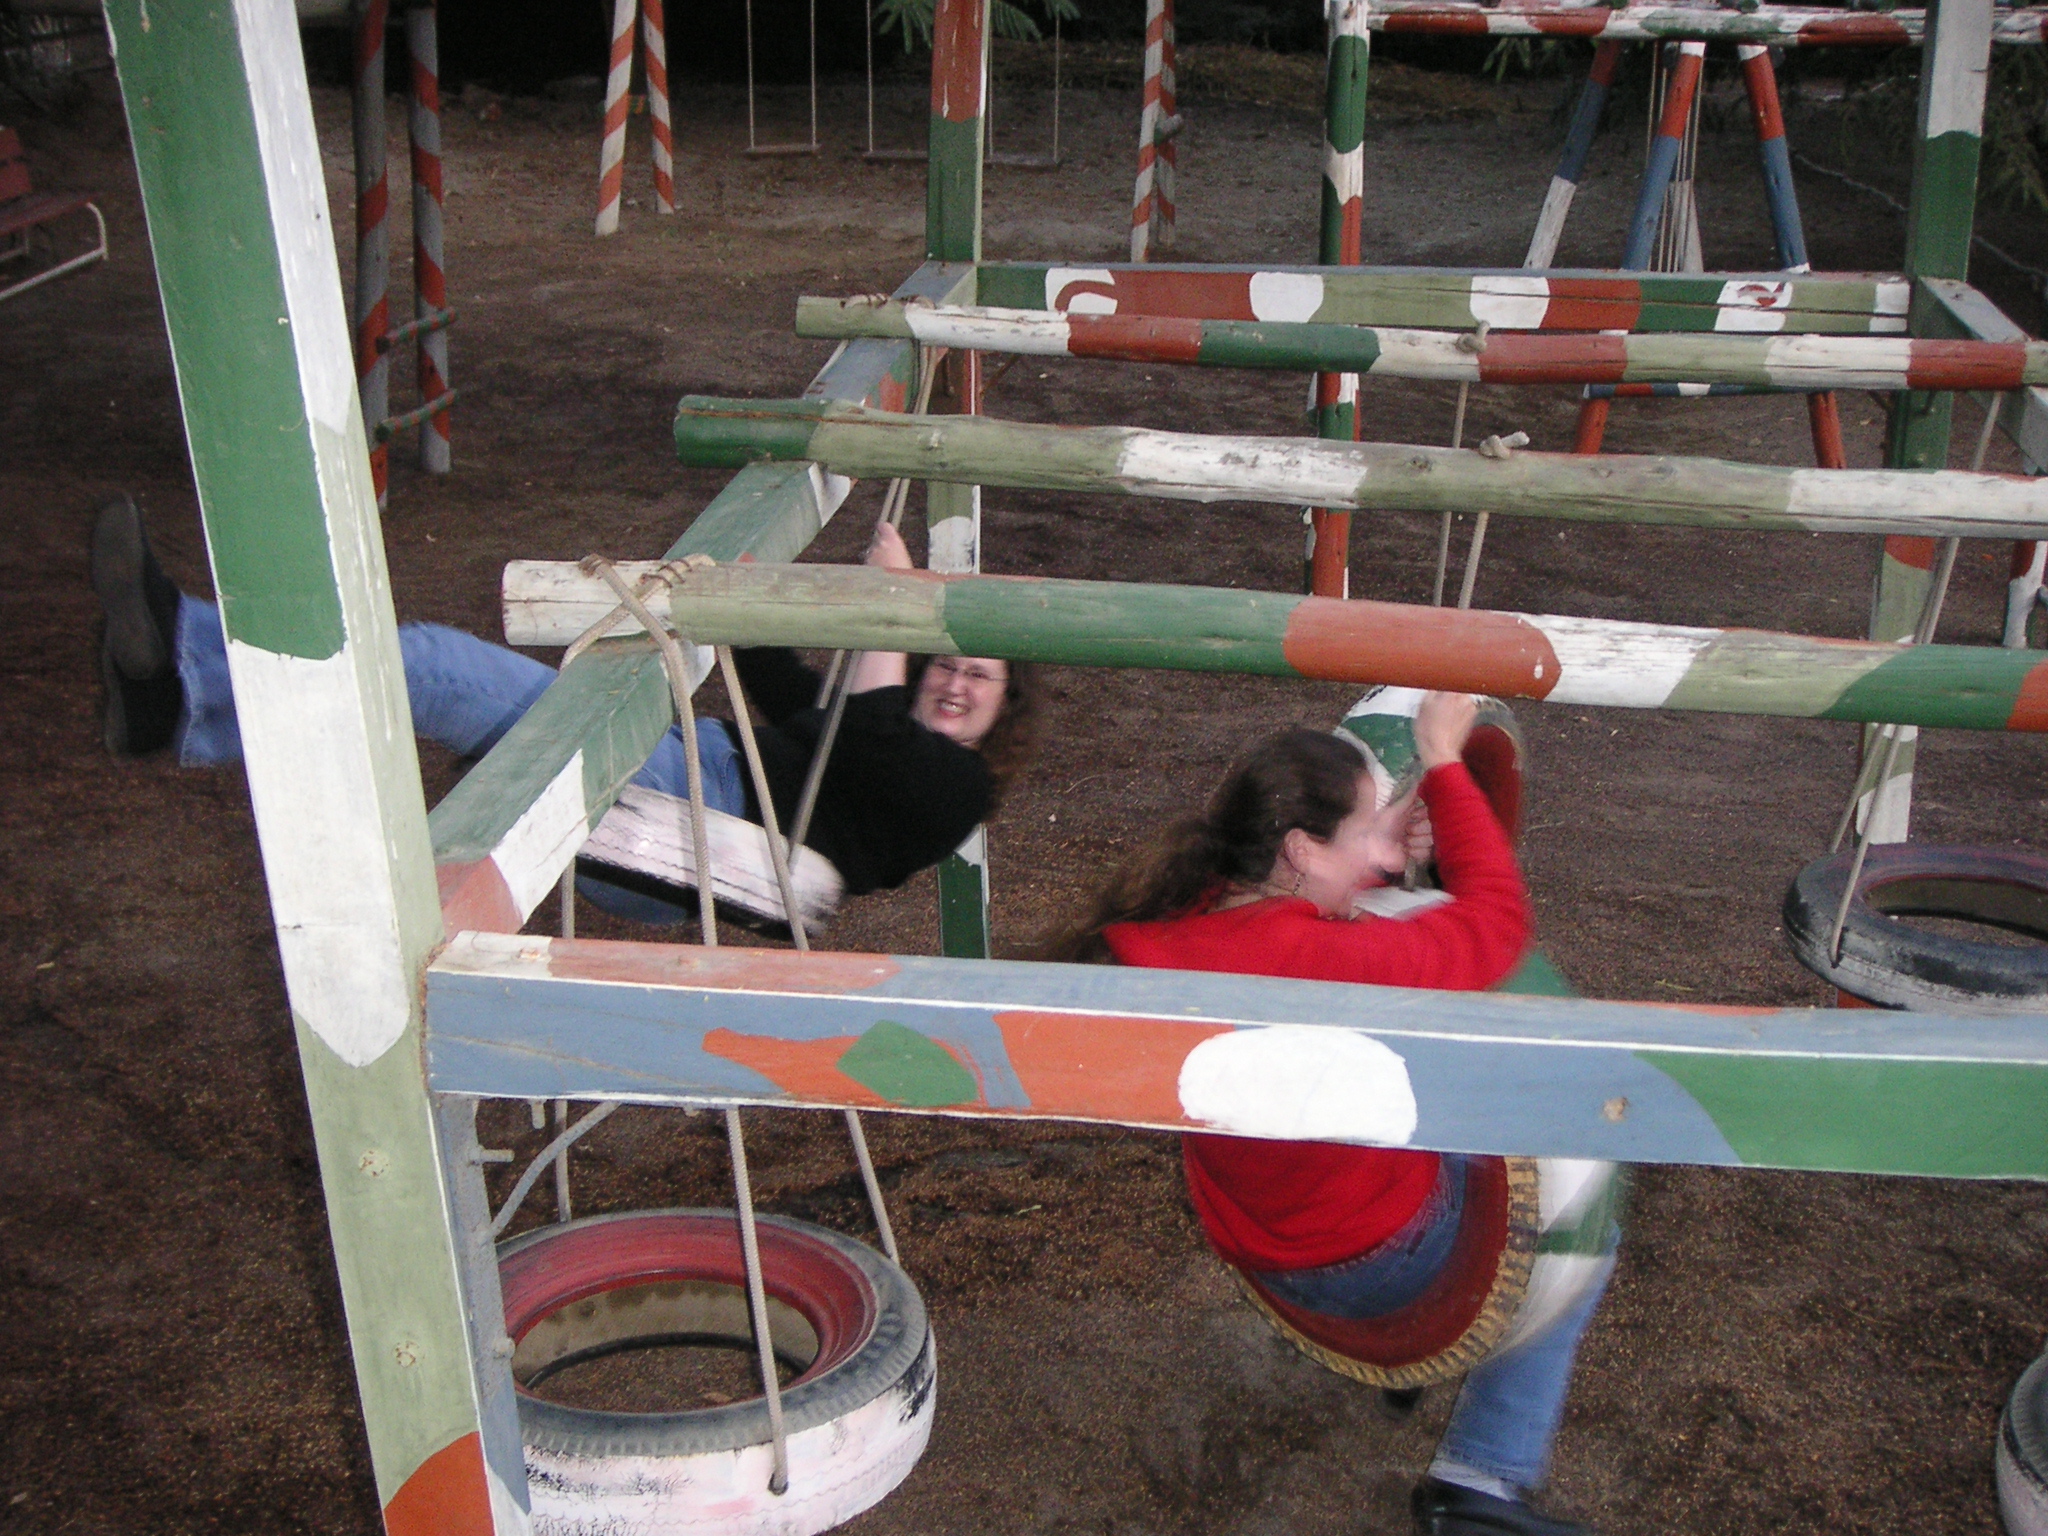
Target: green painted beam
[
  {"x": 229, "y": 168},
  {"x": 1208, "y": 629},
  {"x": 952, "y": 208},
  {"x": 1678, "y": 492}
]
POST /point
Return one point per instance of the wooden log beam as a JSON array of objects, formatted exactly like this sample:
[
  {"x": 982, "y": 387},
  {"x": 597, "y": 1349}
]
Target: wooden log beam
[
  {"x": 1962, "y": 311},
  {"x": 1844, "y": 1091},
  {"x": 1454, "y": 298},
  {"x": 505, "y": 833},
  {"x": 1209, "y": 629},
  {"x": 1792, "y": 362},
  {"x": 1773, "y": 24},
  {"x": 1185, "y": 466}
]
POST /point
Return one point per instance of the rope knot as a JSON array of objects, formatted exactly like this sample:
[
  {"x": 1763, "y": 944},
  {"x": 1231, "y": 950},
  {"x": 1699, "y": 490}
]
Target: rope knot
[
  {"x": 1474, "y": 340},
  {"x": 1498, "y": 447}
]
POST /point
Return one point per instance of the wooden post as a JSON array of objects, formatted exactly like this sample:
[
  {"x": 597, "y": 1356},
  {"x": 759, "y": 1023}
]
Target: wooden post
[
  {"x": 229, "y": 168},
  {"x": 1326, "y": 563},
  {"x": 1954, "y": 62},
  {"x": 373, "y": 235}
]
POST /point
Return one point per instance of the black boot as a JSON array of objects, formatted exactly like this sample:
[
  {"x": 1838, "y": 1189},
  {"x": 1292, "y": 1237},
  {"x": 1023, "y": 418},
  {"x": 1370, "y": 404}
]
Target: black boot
[
  {"x": 138, "y": 664},
  {"x": 1449, "y": 1509}
]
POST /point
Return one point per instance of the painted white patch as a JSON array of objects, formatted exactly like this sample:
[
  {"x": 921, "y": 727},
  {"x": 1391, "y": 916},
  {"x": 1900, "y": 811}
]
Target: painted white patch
[
  {"x": 1565, "y": 1185},
  {"x": 1755, "y": 304},
  {"x": 1292, "y": 296},
  {"x": 1388, "y": 701},
  {"x": 1300, "y": 1083},
  {"x": 1274, "y": 469},
  {"x": 539, "y": 845},
  {"x": 1858, "y": 361},
  {"x": 1957, "y": 502},
  {"x": 1344, "y": 169},
  {"x": 975, "y": 851},
  {"x": 829, "y": 491},
  {"x": 954, "y": 545},
  {"x": 1510, "y": 302},
  {"x": 1694, "y": 391},
  {"x": 1608, "y": 661},
  {"x": 1959, "y": 53},
  {"x": 1029, "y": 332},
  {"x": 1410, "y": 354},
  {"x": 1059, "y": 279},
  {"x": 1348, "y": 19},
  {"x": 507, "y": 1518},
  {"x": 1888, "y": 313},
  {"x": 1892, "y": 818},
  {"x": 331, "y": 881},
  {"x": 1557, "y": 203}
]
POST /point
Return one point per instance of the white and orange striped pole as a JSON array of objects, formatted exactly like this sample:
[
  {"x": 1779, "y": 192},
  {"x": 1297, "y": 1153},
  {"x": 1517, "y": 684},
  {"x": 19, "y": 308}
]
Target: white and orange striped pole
[
  {"x": 1152, "y": 198},
  {"x": 430, "y": 283},
  {"x": 654, "y": 47},
  {"x": 373, "y": 239},
  {"x": 611, "y": 159}
]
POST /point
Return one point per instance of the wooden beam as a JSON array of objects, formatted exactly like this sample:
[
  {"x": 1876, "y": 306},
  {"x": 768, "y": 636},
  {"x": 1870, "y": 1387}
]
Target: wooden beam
[
  {"x": 1186, "y": 466},
  {"x": 1773, "y": 24},
  {"x": 1211, "y": 629},
  {"x": 1790, "y": 362},
  {"x": 1458, "y": 298},
  {"x": 952, "y": 208},
  {"x": 229, "y": 169},
  {"x": 1856, "y": 1091}
]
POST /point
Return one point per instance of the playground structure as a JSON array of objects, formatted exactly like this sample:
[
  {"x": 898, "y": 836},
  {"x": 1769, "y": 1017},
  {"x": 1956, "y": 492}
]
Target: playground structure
[{"x": 413, "y": 993}]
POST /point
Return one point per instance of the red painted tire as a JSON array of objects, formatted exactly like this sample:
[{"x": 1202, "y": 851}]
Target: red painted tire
[
  {"x": 857, "y": 1415},
  {"x": 1886, "y": 962}
]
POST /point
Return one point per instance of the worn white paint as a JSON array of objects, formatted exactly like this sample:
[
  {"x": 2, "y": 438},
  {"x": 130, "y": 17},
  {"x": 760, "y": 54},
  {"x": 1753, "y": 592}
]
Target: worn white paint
[
  {"x": 1958, "y": 64},
  {"x": 1295, "y": 296},
  {"x": 612, "y": 151},
  {"x": 1027, "y": 332},
  {"x": 953, "y": 544},
  {"x": 1954, "y": 501},
  {"x": 1510, "y": 302},
  {"x": 1226, "y": 469},
  {"x": 1851, "y": 362},
  {"x": 1085, "y": 302},
  {"x": 1754, "y": 304},
  {"x": 539, "y": 845},
  {"x": 1411, "y": 354},
  {"x": 508, "y": 1516},
  {"x": 1299, "y": 1083},
  {"x": 1557, "y": 203},
  {"x": 1610, "y": 661}
]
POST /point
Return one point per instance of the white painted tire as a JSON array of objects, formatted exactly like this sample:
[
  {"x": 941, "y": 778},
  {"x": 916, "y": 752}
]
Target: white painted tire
[
  {"x": 2023, "y": 1454},
  {"x": 858, "y": 1415}
]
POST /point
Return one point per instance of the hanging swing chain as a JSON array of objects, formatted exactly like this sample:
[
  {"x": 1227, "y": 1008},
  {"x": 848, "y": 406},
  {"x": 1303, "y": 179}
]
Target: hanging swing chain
[
  {"x": 543, "y": 1160},
  {"x": 1894, "y": 737},
  {"x": 757, "y": 1300}
]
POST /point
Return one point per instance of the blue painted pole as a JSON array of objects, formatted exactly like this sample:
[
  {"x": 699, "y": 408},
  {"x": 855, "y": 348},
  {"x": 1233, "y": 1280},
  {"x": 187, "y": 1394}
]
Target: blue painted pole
[
  {"x": 1663, "y": 160},
  {"x": 1571, "y": 165}
]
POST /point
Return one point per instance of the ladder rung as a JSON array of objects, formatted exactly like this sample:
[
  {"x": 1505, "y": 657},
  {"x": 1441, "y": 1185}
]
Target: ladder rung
[
  {"x": 391, "y": 426},
  {"x": 438, "y": 320}
]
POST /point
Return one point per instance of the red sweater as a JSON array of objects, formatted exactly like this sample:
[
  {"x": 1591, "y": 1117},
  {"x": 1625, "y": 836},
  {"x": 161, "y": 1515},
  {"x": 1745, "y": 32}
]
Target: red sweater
[{"x": 1271, "y": 1205}]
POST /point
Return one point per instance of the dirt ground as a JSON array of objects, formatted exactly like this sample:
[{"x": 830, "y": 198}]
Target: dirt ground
[{"x": 1795, "y": 1353}]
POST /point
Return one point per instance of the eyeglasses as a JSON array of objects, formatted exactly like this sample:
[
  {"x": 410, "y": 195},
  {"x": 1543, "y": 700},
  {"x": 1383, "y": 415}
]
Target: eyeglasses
[{"x": 971, "y": 672}]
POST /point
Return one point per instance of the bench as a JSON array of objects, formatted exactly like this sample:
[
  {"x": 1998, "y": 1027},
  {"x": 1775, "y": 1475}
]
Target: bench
[{"x": 25, "y": 212}]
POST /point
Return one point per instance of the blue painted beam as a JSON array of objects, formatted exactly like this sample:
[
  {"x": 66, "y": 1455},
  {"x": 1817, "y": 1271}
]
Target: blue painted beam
[{"x": 1841, "y": 1090}]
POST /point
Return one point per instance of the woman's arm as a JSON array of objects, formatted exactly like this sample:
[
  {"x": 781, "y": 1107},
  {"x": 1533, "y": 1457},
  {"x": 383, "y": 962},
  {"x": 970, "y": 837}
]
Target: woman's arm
[{"x": 883, "y": 669}]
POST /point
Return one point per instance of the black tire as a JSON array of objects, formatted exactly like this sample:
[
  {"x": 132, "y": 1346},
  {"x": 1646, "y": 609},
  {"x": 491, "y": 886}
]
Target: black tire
[
  {"x": 1886, "y": 962},
  {"x": 2023, "y": 1454}
]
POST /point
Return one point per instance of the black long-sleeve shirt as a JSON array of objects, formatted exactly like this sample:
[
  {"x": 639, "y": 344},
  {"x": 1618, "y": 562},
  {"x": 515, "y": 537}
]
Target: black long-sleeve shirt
[{"x": 897, "y": 797}]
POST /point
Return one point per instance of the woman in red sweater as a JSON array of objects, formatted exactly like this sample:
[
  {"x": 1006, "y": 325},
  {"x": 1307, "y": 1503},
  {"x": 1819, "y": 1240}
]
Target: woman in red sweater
[{"x": 1264, "y": 884}]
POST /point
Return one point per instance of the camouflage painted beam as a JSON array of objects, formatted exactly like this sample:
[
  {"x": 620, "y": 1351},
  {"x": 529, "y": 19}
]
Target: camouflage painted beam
[
  {"x": 1273, "y": 634},
  {"x": 1187, "y": 466},
  {"x": 505, "y": 833},
  {"x": 1793, "y": 362},
  {"x": 1779, "y": 25},
  {"x": 1858, "y": 1091},
  {"x": 1450, "y": 298},
  {"x": 228, "y": 165}
]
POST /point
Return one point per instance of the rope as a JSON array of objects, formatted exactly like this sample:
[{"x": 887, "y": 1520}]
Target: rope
[
  {"x": 777, "y": 854},
  {"x": 874, "y": 1186},
  {"x": 757, "y": 1299},
  {"x": 540, "y": 1164},
  {"x": 2037, "y": 274}
]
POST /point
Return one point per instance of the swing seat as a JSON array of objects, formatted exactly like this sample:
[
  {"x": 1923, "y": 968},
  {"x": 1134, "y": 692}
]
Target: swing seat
[{"x": 648, "y": 833}]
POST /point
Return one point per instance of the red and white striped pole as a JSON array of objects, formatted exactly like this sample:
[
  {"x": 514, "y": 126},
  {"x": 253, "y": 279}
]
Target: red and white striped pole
[
  {"x": 373, "y": 240},
  {"x": 611, "y": 159},
  {"x": 654, "y": 44},
  {"x": 430, "y": 284},
  {"x": 1152, "y": 198}
]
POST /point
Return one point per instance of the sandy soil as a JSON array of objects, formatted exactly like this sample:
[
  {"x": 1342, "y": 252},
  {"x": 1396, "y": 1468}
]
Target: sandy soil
[{"x": 1783, "y": 1352}]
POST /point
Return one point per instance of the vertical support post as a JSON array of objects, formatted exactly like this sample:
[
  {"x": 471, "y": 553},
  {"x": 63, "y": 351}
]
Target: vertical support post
[
  {"x": 1955, "y": 60},
  {"x": 2023, "y": 591},
  {"x": 429, "y": 282},
  {"x": 952, "y": 197},
  {"x": 373, "y": 237},
  {"x": 1571, "y": 164},
  {"x": 611, "y": 154},
  {"x": 1327, "y": 564},
  {"x": 229, "y": 168},
  {"x": 960, "y": 61},
  {"x": 654, "y": 63},
  {"x": 1152, "y": 114}
]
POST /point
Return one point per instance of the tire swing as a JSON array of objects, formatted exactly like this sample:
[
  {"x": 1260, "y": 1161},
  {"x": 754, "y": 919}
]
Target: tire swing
[
  {"x": 846, "y": 1321},
  {"x": 2023, "y": 1454},
  {"x": 1887, "y": 962},
  {"x": 1536, "y": 1232}
]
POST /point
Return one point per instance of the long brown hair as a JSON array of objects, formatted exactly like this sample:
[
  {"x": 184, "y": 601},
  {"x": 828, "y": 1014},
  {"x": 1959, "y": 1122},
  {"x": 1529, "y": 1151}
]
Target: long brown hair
[
  {"x": 1013, "y": 739},
  {"x": 1297, "y": 778}
]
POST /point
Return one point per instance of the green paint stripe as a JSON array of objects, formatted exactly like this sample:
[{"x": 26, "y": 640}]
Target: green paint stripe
[
  {"x": 194, "y": 134},
  {"x": 963, "y": 909},
  {"x": 1946, "y": 1119},
  {"x": 1195, "y": 629},
  {"x": 1944, "y": 206},
  {"x": 1011, "y": 285},
  {"x": 1344, "y": 96},
  {"x": 1753, "y": 672},
  {"x": 952, "y": 209},
  {"x": 1314, "y": 348},
  {"x": 1967, "y": 687}
]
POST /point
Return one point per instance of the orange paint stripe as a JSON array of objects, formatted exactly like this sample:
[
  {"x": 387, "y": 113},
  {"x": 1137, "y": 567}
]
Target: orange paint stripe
[
  {"x": 1112, "y": 1068},
  {"x": 1537, "y": 358},
  {"x": 1146, "y": 337},
  {"x": 1465, "y": 651},
  {"x": 2030, "y": 709},
  {"x": 448, "y": 1494}
]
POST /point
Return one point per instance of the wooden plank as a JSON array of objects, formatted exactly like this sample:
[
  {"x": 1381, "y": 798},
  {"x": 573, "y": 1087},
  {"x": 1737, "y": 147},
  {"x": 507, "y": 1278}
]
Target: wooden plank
[
  {"x": 1846, "y": 1091},
  {"x": 1772, "y": 24},
  {"x": 230, "y": 173},
  {"x": 504, "y": 834},
  {"x": 1210, "y": 629},
  {"x": 1186, "y": 466}
]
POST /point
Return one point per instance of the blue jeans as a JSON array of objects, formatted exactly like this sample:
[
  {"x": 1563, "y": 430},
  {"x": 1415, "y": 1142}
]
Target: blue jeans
[
  {"x": 465, "y": 694},
  {"x": 1509, "y": 1408}
]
